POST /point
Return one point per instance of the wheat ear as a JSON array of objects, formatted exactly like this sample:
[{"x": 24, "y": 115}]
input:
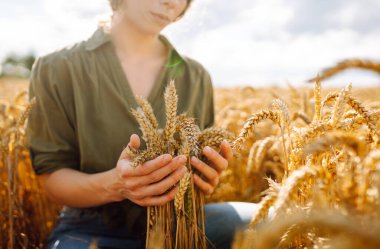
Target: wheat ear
[
  {"x": 150, "y": 135},
  {"x": 318, "y": 101},
  {"x": 343, "y": 65},
  {"x": 251, "y": 122},
  {"x": 339, "y": 106},
  {"x": 171, "y": 102},
  {"x": 179, "y": 197},
  {"x": 148, "y": 111},
  {"x": 290, "y": 186}
]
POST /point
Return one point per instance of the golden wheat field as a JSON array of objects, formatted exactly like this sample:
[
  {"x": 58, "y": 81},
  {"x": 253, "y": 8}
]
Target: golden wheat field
[{"x": 309, "y": 155}]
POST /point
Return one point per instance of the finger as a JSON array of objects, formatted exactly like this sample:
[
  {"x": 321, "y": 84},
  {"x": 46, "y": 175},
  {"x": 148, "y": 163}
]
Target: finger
[
  {"x": 134, "y": 144},
  {"x": 147, "y": 167},
  {"x": 161, "y": 187},
  {"x": 220, "y": 162},
  {"x": 204, "y": 186},
  {"x": 210, "y": 173},
  {"x": 157, "y": 175},
  {"x": 134, "y": 141},
  {"x": 161, "y": 173},
  {"x": 158, "y": 200},
  {"x": 226, "y": 150}
]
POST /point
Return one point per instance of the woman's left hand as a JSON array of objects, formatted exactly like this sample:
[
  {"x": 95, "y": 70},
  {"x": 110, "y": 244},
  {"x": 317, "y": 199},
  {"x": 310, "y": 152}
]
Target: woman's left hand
[{"x": 219, "y": 162}]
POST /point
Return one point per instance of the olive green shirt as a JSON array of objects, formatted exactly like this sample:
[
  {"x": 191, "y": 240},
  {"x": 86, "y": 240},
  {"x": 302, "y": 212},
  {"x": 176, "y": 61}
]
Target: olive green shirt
[{"x": 82, "y": 118}]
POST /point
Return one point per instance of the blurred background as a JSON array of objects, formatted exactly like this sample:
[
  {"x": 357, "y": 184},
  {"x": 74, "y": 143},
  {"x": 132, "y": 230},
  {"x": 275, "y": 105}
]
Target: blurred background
[{"x": 241, "y": 42}]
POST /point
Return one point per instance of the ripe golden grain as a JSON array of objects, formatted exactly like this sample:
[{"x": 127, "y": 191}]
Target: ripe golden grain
[{"x": 345, "y": 176}]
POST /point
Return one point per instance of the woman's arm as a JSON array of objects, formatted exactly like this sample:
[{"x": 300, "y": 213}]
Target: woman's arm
[
  {"x": 76, "y": 189},
  {"x": 147, "y": 185}
]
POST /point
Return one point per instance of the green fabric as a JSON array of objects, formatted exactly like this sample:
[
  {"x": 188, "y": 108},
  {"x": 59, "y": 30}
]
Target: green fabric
[{"x": 82, "y": 118}]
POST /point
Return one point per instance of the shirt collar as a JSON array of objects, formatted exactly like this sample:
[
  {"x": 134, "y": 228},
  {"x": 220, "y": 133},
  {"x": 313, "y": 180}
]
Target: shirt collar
[{"x": 101, "y": 37}]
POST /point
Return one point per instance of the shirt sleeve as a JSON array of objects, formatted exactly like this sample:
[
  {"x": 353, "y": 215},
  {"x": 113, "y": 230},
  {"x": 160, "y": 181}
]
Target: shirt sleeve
[
  {"x": 208, "y": 106},
  {"x": 50, "y": 129}
]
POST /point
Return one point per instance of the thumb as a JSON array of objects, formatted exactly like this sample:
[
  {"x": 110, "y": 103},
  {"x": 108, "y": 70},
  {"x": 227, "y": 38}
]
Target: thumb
[{"x": 134, "y": 144}]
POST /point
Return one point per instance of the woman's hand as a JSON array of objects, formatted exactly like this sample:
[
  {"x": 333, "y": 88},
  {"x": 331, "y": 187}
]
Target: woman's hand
[
  {"x": 219, "y": 162},
  {"x": 150, "y": 184}
]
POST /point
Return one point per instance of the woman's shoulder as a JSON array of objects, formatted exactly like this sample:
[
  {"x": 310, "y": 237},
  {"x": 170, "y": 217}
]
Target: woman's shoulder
[
  {"x": 77, "y": 53},
  {"x": 63, "y": 55},
  {"x": 56, "y": 68},
  {"x": 64, "y": 62},
  {"x": 195, "y": 65},
  {"x": 197, "y": 70}
]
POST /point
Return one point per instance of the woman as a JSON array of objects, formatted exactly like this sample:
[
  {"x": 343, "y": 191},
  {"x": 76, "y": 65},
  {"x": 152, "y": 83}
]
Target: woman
[{"x": 78, "y": 129}]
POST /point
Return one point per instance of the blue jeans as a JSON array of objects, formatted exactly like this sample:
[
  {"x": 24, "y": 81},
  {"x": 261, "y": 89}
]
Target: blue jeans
[{"x": 75, "y": 231}]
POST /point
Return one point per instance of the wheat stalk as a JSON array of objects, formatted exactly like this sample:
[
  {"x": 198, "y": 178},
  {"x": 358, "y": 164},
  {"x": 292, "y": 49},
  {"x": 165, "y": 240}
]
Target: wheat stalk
[
  {"x": 339, "y": 106},
  {"x": 291, "y": 185},
  {"x": 263, "y": 209},
  {"x": 251, "y": 122},
  {"x": 262, "y": 148},
  {"x": 346, "y": 64},
  {"x": 318, "y": 102}
]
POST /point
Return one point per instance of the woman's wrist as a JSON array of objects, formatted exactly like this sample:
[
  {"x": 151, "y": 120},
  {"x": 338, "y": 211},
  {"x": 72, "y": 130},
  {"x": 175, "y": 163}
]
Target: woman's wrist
[{"x": 110, "y": 186}]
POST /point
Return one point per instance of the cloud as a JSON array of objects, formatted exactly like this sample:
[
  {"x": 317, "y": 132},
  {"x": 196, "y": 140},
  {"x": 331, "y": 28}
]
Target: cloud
[
  {"x": 44, "y": 26},
  {"x": 274, "y": 41},
  {"x": 257, "y": 42},
  {"x": 317, "y": 16}
]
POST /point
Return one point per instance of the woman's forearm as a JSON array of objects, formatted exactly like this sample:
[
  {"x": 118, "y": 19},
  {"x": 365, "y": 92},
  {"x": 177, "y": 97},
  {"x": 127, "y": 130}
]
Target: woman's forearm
[
  {"x": 77, "y": 189},
  {"x": 150, "y": 184}
]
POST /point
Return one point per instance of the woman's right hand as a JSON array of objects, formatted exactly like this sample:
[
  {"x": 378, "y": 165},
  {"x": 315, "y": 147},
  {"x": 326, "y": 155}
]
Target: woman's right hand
[{"x": 149, "y": 184}]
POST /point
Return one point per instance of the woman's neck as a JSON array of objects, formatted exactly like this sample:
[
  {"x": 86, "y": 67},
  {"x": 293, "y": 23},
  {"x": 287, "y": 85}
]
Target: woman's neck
[{"x": 130, "y": 42}]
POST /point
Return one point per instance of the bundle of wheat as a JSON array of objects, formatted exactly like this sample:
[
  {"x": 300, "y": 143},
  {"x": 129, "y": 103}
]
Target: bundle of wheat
[{"x": 181, "y": 136}]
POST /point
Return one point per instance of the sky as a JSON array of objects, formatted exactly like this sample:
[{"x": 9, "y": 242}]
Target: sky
[{"x": 241, "y": 42}]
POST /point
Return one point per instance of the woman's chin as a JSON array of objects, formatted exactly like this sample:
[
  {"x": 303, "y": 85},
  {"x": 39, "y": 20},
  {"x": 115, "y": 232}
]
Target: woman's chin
[{"x": 154, "y": 29}]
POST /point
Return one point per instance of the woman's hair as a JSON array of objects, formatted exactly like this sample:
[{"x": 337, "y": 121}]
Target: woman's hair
[{"x": 115, "y": 4}]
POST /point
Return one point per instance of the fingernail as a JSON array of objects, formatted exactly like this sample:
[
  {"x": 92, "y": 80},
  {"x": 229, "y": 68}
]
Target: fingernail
[
  {"x": 167, "y": 157},
  {"x": 183, "y": 170},
  {"x": 207, "y": 149},
  {"x": 182, "y": 158}
]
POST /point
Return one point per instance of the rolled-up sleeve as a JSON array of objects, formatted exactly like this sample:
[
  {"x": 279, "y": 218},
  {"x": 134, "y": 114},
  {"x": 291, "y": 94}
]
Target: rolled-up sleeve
[
  {"x": 51, "y": 126},
  {"x": 208, "y": 107}
]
